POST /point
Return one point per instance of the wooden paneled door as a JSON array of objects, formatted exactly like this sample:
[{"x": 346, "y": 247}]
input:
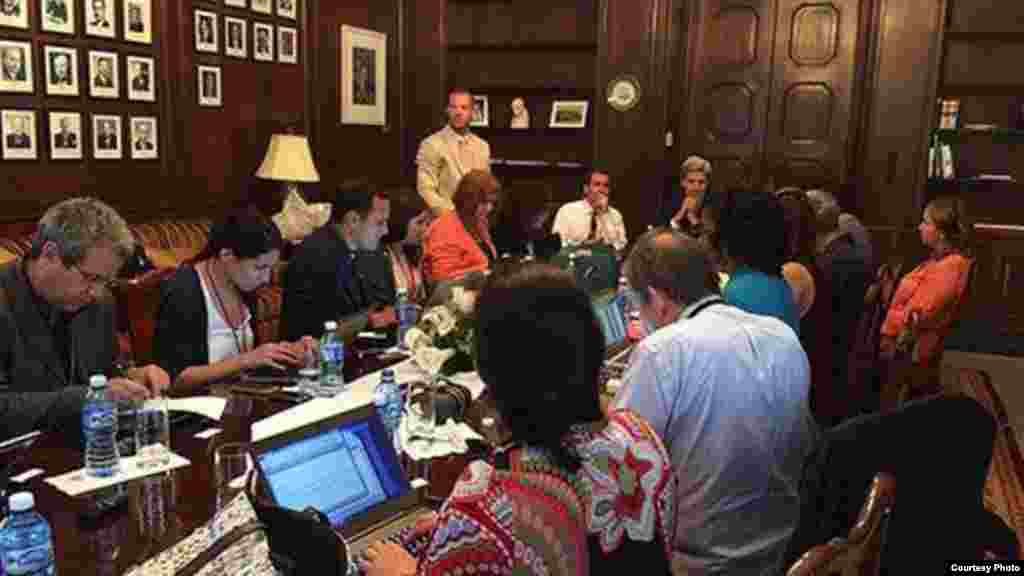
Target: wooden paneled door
[{"x": 771, "y": 80}]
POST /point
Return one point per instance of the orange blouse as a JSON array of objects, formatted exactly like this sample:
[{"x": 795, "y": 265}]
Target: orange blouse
[
  {"x": 933, "y": 290},
  {"x": 449, "y": 252}
]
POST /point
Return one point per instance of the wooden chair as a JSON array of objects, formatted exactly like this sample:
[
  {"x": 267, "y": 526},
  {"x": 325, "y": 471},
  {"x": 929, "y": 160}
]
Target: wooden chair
[
  {"x": 864, "y": 372},
  {"x": 138, "y": 300},
  {"x": 859, "y": 553}
]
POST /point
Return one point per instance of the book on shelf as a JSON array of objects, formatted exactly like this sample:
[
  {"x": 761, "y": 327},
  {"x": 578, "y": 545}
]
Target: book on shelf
[{"x": 949, "y": 114}]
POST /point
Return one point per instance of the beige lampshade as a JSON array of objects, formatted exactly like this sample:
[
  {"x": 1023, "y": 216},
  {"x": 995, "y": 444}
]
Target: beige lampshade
[{"x": 288, "y": 159}]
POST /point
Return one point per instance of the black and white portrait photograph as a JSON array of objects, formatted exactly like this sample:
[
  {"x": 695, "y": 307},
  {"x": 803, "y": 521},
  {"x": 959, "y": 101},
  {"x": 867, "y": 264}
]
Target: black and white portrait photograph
[
  {"x": 263, "y": 42},
  {"x": 103, "y": 79},
  {"x": 206, "y": 31},
  {"x": 364, "y": 81},
  {"x": 14, "y": 13},
  {"x": 287, "y": 45},
  {"x": 235, "y": 3},
  {"x": 144, "y": 142},
  {"x": 481, "y": 112},
  {"x": 141, "y": 81},
  {"x": 234, "y": 37},
  {"x": 261, "y": 6},
  {"x": 57, "y": 16},
  {"x": 209, "y": 87},
  {"x": 286, "y": 8},
  {"x": 65, "y": 136},
  {"x": 106, "y": 137},
  {"x": 99, "y": 18},
  {"x": 19, "y": 134},
  {"x": 138, "y": 21},
  {"x": 61, "y": 71},
  {"x": 15, "y": 66}
]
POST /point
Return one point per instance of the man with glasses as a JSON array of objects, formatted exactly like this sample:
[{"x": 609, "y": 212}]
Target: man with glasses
[
  {"x": 57, "y": 320},
  {"x": 591, "y": 219}
]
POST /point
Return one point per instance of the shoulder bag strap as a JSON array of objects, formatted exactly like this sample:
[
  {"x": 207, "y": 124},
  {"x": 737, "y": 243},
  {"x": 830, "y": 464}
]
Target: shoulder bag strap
[{"x": 210, "y": 554}]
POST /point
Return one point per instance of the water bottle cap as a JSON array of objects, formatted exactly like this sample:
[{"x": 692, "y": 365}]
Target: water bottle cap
[
  {"x": 21, "y": 502},
  {"x": 330, "y": 325},
  {"x": 401, "y": 291},
  {"x": 387, "y": 373},
  {"x": 97, "y": 381}
]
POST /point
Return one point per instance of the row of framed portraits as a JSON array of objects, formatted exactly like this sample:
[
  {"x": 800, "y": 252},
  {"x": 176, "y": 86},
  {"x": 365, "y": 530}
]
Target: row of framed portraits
[
  {"x": 236, "y": 38},
  {"x": 62, "y": 74},
  {"x": 98, "y": 18},
  {"x": 283, "y": 8},
  {"x": 66, "y": 136}
]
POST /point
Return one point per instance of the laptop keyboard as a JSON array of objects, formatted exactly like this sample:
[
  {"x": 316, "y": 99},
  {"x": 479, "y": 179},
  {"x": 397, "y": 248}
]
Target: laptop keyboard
[{"x": 400, "y": 533}]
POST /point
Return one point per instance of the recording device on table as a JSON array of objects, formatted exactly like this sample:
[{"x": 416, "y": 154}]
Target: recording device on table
[{"x": 371, "y": 500}]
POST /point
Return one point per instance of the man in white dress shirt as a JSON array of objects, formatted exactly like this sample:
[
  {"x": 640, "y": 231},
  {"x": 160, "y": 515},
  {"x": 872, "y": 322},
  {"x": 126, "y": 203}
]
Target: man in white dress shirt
[
  {"x": 591, "y": 219},
  {"x": 728, "y": 393},
  {"x": 448, "y": 154}
]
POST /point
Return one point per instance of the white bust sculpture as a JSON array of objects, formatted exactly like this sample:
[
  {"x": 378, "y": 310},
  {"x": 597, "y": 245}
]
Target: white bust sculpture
[{"x": 520, "y": 115}]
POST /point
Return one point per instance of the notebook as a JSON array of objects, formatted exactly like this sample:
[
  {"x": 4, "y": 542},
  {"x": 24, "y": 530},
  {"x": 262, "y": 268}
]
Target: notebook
[{"x": 346, "y": 467}]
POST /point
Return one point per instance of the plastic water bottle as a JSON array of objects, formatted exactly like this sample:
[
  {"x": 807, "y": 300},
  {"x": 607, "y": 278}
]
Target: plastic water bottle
[
  {"x": 26, "y": 540},
  {"x": 99, "y": 427},
  {"x": 406, "y": 312},
  {"x": 388, "y": 400},
  {"x": 332, "y": 359}
]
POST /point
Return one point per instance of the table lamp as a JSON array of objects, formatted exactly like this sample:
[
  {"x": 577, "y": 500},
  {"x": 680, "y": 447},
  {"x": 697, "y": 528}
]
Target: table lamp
[{"x": 290, "y": 161}]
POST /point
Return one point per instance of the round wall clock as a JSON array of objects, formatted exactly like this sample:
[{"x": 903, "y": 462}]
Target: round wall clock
[{"x": 623, "y": 93}]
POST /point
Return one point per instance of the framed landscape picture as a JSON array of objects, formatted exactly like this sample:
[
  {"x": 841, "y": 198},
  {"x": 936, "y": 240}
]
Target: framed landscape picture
[{"x": 569, "y": 114}]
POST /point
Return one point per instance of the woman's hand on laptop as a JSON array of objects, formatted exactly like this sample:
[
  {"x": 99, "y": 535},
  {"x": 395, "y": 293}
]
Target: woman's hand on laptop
[
  {"x": 388, "y": 559},
  {"x": 277, "y": 355}
]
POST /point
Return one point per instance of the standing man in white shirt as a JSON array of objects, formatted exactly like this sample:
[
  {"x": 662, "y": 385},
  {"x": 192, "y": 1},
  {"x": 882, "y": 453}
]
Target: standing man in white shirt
[
  {"x": 448, "y": 154},
  {"x": 591, "y": 219},
  {"x": 728, "y": 393}
]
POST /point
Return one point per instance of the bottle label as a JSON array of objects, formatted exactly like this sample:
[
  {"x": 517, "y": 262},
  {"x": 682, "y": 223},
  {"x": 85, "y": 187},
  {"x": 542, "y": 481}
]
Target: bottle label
[
  {"x": 98, "y": 417},
  {"x": 29, "y": 561},
  {"x": 332, "y": 353}
]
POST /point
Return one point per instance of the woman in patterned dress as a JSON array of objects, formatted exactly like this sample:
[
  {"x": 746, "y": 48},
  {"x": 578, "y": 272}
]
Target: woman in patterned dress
[{"x": 576, "y": 492}]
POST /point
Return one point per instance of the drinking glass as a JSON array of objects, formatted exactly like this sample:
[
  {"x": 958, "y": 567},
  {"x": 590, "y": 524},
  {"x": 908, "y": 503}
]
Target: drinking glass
[
  {"x": 152, "y": 433},
  {"x": 309, "y": 374},
  {"x": 232, "y": 463}
]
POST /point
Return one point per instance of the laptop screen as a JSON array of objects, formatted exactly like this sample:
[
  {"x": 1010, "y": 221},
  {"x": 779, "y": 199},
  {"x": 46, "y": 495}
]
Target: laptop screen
[
  {"x": 342, "y": 469},
  {"x": 610, "y": 311}
]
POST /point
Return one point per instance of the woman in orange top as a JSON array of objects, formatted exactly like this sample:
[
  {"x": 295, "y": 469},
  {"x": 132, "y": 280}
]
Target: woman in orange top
[
  {"x": 931, "y": 292},
  {"x": 459, "y": 242}
]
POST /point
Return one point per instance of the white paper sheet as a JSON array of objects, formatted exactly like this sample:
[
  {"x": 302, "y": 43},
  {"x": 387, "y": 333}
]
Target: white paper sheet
[
  {"x": 210, "y": 406},
  {"x": 357, "y": 393},
  {"x": 77, "y": 482}
]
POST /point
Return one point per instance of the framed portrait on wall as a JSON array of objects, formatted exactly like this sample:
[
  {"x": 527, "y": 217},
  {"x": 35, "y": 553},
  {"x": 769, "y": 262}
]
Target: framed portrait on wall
[
  {"x": 143, "y": 137},
  {"x": 363, "y": 76},
  {"x": 206, "y": 31},
  {"x": 209, "y": 86},
  {"x": 15, "y": 66},
  {"x": 14, "y": 13},
  {"x": 287, "y": 8},
  {"x": 261, "y": 6},
  {"x": 57, "y": 16},
  {"x": 263, "y": 42},
  {"x": 481, "y": 112},
  {"x": 141, "y": 72},
  {"x": 65, "y": 136},
  {"x": 235, "y": 37},
  {"x": 106, "y": 137},
  {"x": 103, "y": 78},
  {"x": 19, "y": 134},
  {"x": 138, "y": 21},
  {"x": 287, "y": 45},
  {"x": 61, "y": 70},
  {"x": 99, "y": 18}
]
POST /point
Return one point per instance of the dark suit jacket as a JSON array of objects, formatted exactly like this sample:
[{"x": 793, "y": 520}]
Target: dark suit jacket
[
  {"x": 18, "y": 140},
  {"x": 325, "y": 280},
  {"x": 69, "y": 140},
  {"x": 36, "y": 391},
  {"x": 103, "y": 82},
  {"x": 108, "y": 142},
  {"x": 140, "y": 83},
  {"x": 143, "y": 145},
  {"x": 182, "y": 335}
]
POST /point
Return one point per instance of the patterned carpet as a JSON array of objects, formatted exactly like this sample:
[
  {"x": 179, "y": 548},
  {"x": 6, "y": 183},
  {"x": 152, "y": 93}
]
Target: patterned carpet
[{"x": 1004, "y": 489}]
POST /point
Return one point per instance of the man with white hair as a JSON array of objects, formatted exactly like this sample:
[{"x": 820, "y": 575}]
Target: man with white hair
[{"x": 694, "y": 175}]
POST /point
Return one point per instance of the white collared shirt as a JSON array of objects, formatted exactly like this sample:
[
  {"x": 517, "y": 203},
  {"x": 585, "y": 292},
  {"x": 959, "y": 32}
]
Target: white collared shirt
[{"x": 572, "y": 224}]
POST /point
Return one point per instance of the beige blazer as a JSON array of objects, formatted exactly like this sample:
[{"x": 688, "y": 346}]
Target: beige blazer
[{"x": 439, "y": 166}]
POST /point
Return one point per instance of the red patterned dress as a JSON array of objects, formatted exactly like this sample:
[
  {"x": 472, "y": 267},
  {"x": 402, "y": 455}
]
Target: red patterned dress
[{"x": 524, "y": 515}]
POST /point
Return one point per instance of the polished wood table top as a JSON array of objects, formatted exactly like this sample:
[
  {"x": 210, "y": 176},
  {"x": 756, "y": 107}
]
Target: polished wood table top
[{"x": 162, "y": 510}]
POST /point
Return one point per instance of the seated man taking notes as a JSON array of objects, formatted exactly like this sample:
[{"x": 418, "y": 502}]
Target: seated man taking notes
[
  {"x": 57, "y": 320},
  {"x": 332, "y": 276}
]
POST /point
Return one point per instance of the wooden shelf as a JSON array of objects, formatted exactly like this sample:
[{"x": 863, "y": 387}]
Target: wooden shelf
[
  {"x": 955, "y": 90},
  {"x": 984, "y": 37},
  {"x": 998, "y": 135},
  {"x": 516, "y": 163},
  {"x": 590, "y": 47}
]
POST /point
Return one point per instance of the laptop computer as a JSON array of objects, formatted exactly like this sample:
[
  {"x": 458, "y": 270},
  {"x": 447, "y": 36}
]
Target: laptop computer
[
  {"x": 346, "y": 467},
  {"x": 610, "y": 309}
]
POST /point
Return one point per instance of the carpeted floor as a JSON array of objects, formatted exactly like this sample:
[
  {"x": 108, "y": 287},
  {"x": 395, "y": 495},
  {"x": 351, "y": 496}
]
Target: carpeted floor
[{"x": 1004, "y": 489}]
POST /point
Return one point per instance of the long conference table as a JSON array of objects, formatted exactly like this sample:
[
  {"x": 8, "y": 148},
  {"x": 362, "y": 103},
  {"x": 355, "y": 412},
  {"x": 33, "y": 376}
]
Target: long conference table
[{"x": 163, "y": 509}]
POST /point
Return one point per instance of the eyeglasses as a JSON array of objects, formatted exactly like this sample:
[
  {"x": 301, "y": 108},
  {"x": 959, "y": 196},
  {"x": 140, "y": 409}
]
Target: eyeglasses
[{"x": 97, "y": 281}]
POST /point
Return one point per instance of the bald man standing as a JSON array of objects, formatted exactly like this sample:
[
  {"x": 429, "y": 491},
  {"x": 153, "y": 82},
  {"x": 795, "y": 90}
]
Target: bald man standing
[{"x": 448, "y": 154}]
